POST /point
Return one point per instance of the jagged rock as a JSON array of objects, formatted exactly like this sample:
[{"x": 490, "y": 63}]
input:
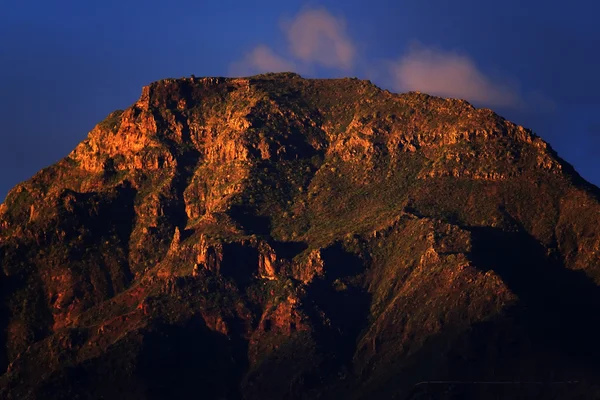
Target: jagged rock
[
  {"x": 267, "y": 262},
  {"x": 209, "y": 255},
  {"x": 279, "y": 237}
]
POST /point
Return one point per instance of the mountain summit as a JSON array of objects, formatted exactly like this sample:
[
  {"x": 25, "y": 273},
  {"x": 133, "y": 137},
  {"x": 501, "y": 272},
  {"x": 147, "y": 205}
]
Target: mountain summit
[{"x": 278, "y": 237}]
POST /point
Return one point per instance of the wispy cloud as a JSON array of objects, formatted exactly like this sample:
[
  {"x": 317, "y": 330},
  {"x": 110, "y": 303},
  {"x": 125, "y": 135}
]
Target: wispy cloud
[
  {"x": 317, "y": 38},
  {"x": 450, "y": 74},
  {"x": 261, "y": 59},
  {"x": 314, "y": 37}
]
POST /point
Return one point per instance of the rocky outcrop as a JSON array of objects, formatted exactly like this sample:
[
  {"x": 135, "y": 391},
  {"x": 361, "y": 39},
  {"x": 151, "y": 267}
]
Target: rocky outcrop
[{"x": 278, "y": 237}]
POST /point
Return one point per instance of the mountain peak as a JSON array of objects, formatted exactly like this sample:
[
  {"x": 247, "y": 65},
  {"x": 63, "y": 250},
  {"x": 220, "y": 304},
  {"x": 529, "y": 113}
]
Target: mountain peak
[{"x": 276, "y": 236}]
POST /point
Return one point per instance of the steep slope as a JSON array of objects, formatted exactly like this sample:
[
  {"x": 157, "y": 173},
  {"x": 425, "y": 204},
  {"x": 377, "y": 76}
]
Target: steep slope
[{"x": 278, "y": 237}]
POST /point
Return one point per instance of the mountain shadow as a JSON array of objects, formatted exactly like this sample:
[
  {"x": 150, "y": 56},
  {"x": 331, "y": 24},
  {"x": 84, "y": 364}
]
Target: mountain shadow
[
  {"x": 345, "y": 303},
  {"x": 562, "y": 306}
]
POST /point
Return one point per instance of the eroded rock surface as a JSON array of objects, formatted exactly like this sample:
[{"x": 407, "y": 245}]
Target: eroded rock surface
[{"x": 278, "y": 237}]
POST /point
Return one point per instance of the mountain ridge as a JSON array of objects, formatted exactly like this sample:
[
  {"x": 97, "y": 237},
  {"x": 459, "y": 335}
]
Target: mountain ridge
[{"x": 321, "y": 237}]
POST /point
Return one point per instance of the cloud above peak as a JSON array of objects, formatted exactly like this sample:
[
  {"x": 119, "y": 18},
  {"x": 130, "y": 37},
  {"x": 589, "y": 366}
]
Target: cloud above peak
[
  {"x": 450, "y": 74},
  {"x": 261, "y": 59},
  {"x": 314, "y": 38}
]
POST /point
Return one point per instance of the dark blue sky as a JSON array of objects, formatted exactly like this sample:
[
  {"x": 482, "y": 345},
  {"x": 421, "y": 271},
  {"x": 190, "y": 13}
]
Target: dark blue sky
[{"x": 66, "y": 64}]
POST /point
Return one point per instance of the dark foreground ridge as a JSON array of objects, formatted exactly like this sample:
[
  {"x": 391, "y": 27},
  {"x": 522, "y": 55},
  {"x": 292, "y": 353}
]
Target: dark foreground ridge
[{"x": 278, "y": 237}]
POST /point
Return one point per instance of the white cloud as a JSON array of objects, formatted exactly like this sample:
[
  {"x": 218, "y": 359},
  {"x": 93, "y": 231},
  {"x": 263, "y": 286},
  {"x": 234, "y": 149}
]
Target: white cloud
[
  {"x": 261, "y": 59},
  {"x": 316, "y": 36},
  {"x": 449, "y": 74}
]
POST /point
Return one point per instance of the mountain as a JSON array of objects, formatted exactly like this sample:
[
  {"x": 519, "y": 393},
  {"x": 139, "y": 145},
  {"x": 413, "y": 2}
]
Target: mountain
[{"x": 278, "y": 237}]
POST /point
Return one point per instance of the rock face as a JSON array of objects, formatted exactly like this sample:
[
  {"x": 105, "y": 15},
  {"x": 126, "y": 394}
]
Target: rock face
[{"x": 278, "y": 237}]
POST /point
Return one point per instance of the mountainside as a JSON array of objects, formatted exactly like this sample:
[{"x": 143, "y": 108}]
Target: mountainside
[{"x": 279, "y": 237}]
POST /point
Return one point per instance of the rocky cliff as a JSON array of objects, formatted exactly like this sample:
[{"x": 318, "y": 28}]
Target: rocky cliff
[{"x": 279, "y": 237}]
